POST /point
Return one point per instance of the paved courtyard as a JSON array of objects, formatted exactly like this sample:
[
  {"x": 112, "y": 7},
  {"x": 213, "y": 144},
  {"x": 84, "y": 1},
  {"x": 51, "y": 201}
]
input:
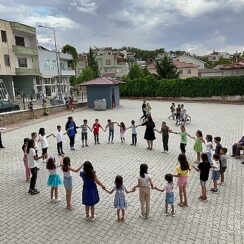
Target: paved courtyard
[{"x": 33, "y": 219}]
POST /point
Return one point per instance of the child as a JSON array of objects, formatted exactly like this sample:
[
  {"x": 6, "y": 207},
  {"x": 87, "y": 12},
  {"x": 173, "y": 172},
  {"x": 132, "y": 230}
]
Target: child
[
  {"x": 122, "y": 131},
  {"x": 215, "y": 172},
  {"x": 144, "y": 183},
  {"x": 204, "y": 168},
  {"x": 67, "y": 169},
  {"x": 119, "y": 199},
  {"x": 172, "y": 110},
  {"x": 71, "y": 130},
  {"x": 110, "y": 126},
  {"x": 134, "y": 133},
  {"x": 44, "y": 144},
  {"x": 35, "y": 139},
  {"x": 165, "y": 136},
  {"x": 223, "y": 165},
  {"x": 95, "y": 128},
  {"x": 25, "y": 160},
  {"x": 183, "y": 138},
  {"x": 32, "y": 158},
  {"x": 169, "y": 189},
  {"x": 84, "y": 129},
  {"x": 218, "y": 147},
  {"x": 209, "y": 147},
  {"x": 59, "y": 138},
  {"x": 182, "y": 174},
  {"x": 54, "y": 180},
  {"x": 90, "y": 195},
  {"x": 198, "y": 144}
]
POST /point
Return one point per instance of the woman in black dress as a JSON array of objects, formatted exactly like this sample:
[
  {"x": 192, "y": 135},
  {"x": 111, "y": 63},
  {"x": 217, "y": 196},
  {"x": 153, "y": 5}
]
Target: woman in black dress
[{"x": 149, "y": 132}]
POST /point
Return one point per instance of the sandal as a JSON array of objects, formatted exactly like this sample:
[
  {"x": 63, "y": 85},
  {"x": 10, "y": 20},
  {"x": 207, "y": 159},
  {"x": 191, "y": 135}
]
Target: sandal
[{"x": 181, "y": 204}]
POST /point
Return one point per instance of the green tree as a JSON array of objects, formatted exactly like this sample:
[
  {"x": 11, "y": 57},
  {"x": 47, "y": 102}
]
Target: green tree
[
  {"x": 71, "y": 50},
  {"x": 135, "y": 72},
  {"x": 92, "y": 63},
  {"x": 86, "y": 75},
  {"x": 72, "y": 80},
  {"x": 166, "y": 69}
]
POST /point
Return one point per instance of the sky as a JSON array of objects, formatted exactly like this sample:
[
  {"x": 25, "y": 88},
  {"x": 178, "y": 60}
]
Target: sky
[{"x": 196, "y": 26}]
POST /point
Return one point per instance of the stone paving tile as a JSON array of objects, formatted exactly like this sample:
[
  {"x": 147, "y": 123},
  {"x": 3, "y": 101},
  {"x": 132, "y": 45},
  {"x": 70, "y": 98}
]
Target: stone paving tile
[{"x": 32, "y": 219}]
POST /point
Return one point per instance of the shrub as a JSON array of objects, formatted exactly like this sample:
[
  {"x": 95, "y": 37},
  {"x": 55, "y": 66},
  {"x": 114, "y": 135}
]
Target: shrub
[{"x": 191, "y": 87}]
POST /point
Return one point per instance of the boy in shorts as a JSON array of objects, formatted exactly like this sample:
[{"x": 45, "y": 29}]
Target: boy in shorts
[
  {"x": 223, "y": 165},
  {"x": 84, "y": 129}
]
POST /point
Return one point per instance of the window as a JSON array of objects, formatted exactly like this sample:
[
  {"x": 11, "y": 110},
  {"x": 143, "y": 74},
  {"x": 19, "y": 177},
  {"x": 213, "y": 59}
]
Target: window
[
  {"x": 4, "y": 36},
  {"x": 6, "y": 60},
  {"x": 189, "y": 71},
  {"x": 181, "y": 72},
  {"x": 22, "y": 62},
  {"x": 108, "y": 61},
  {"x": 20, "y": 41}
]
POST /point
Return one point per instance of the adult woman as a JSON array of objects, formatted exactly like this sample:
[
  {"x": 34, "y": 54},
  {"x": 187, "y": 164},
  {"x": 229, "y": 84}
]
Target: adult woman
[
  {"x": 71, "y": 131},
  {"x": 149, "y": 132}
]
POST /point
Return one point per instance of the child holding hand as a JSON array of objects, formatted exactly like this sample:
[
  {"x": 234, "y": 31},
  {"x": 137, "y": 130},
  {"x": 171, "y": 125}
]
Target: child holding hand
[
  {"x": 169, "y": 190},
  {"x": 120, "y": 202}
]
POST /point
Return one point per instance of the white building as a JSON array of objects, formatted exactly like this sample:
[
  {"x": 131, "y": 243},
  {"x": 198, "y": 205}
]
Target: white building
[
  {"x": 189, "y": 59},
  {"x": 54, "y": 76}
]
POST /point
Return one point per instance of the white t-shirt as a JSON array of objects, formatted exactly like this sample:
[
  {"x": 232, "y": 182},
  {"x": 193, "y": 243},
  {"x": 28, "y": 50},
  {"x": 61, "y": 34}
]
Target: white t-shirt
[
  {"x": 144, "y": 182},
  {"x": 31, "y": 160},
  {"x": 43, "y": 140},
  {"x": 216, "y": 164},
  {"x": 133, "y": 129},
  {"x": 209, "y": 147},
  {"x": 59, "y": 136}
]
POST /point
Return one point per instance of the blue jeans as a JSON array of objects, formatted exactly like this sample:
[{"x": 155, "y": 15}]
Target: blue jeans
[
  {"x": 209, "y": 156},
  {"x": 111, "y": 135}
]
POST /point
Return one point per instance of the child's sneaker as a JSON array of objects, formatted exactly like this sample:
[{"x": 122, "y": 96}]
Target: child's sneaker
[
  {"x": 173, "y": 214},
  {"x": 215, "y": 190},
  {"x": 94, "y": 218},
  {"x": 166, "y": 213},
  {"x": 57, "y": 200},
  {"x": 141, "y": 216}
]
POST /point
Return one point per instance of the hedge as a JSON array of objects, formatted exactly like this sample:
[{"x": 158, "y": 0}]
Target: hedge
[{"x": 191, "y": 87}]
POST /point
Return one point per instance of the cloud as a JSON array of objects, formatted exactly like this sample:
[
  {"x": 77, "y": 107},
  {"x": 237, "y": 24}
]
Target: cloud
[
  {"x": 196, "y": 25},
  {"x": 84, "y": 6}
]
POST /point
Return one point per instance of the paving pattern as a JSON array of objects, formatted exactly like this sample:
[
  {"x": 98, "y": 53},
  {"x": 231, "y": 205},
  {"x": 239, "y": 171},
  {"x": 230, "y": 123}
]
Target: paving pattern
[{"x": 33, "y": 219}]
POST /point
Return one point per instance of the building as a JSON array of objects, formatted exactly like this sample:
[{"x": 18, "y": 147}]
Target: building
[
  {"x": 82, "y": 63},
  {"x": 103, "y": 88},
  {"x": 186, "y": 70},
  {"x": 189, "y": 59},
  {"x": 54, "y": 77},
  {"x": 210, "y": 73},
  {"x": 111, "y": 61},
  {"x": 19, "y": 66},
  {"x": 216, "y": 56}
]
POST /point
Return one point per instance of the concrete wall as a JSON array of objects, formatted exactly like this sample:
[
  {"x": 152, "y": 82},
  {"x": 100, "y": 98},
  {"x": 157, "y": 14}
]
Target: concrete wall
[
  {"x": 102, "y": 92},
  {"x": 24, "y": 115},
  {"x": 7, "y": 48}
]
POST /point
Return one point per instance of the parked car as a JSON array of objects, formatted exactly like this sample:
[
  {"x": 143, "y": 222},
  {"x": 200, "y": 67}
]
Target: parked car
[
  {"x": 58, "y": 100},
  {"x": 7, "y": 106}
]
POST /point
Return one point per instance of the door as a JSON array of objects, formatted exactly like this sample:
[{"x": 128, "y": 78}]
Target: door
[{"x": 113, "y": 98}]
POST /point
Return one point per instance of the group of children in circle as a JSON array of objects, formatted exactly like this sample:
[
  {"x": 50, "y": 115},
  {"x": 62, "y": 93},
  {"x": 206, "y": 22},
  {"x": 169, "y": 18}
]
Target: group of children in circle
[{"x": 90, "y": 196}]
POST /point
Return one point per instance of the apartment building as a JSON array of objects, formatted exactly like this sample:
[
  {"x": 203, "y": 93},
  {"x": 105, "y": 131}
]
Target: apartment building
[
  {"x": 111, "y": 62},
  {"x": 19, "y": 68},
  {"x": 54, "y": 72}
]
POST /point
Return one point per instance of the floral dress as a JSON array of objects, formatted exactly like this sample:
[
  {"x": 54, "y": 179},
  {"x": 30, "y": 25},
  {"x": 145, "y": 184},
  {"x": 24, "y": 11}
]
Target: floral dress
[{"x": 119, "y": 198}]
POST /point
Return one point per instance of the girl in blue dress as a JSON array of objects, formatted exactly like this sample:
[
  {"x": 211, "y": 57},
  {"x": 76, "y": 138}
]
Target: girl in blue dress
[
  {"x": 119, "y": 199},
  {"x": 90, "y": 196},
  {"x": 54, "y": 179}
]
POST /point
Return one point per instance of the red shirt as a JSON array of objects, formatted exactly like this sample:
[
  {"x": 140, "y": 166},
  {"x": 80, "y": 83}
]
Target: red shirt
[{"x": 96, "y": 127}]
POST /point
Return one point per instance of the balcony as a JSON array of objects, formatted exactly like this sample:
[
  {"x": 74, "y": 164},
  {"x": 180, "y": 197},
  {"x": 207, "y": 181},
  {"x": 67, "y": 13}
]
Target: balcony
[
  {"x": 67, "y": 72},
  {"x": 25, "y": 51},
  {"x": 23, "y": 28},
  {"x": 26, "y": 71}
]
